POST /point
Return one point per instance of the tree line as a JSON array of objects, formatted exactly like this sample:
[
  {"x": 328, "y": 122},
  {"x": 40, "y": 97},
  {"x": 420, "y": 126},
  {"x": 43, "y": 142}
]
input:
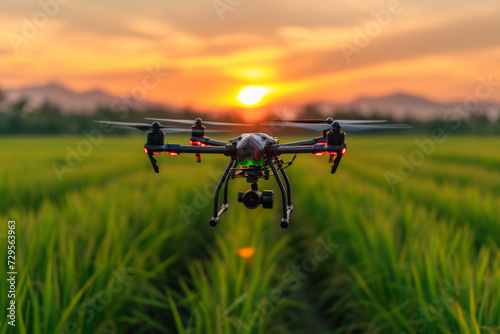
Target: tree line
[{"x": 18, "y": 118}]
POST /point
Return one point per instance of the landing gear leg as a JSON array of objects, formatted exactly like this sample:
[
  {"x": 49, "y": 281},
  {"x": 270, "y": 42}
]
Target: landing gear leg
[
  {"x": 286, "y": 203},
  {"x": 289, "y": 204},
  {"x": 225, "y": 178}
]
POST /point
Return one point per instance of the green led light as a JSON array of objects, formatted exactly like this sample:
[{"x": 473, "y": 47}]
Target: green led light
[{"x": 250, "y": 163}]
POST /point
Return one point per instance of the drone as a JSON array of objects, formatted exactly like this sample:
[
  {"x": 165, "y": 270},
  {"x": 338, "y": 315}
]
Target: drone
[{"x": 254, "y": 156}]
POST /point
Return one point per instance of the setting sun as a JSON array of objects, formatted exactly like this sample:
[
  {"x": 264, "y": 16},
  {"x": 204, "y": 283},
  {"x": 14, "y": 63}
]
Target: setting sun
[{"x": 251, "y": 95}]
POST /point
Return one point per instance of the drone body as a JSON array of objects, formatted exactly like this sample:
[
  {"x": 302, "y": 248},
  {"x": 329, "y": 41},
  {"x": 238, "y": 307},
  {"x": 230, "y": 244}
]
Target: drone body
[{"x": 254, "y": 156}]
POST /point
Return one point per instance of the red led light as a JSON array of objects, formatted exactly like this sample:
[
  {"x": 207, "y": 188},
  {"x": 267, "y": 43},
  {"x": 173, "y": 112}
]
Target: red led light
[
  {"x": 145, "y": 150},
  {"x": 156, "y": 152},
  {"x": 319, "y": 153},
  {"x": 173, "y": 153},
  {"x": 343, "y": 150},
  {"x": 197, "y": 143},
  {"x": 332, "y": 153}
]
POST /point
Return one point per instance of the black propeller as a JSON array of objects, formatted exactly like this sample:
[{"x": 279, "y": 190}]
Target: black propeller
[
  {"x": 351, "y": 126},
  {"x": 198, "y": 121},
  {"x": 154, "y": 126},
  {"x": 329, "y": 120}
]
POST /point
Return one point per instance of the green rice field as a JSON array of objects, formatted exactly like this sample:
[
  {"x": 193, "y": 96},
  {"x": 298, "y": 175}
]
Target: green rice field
[{"x": 402, "y": 239}]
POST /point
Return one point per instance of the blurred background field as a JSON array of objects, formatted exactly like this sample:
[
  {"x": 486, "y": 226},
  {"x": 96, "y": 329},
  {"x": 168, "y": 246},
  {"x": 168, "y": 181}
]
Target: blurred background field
[
  {"x": 116, "y": 248},
  {"x": 403, "y": 239}
]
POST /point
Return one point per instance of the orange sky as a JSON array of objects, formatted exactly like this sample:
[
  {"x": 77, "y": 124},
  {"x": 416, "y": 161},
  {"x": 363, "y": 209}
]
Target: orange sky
[{"x": 300, "y": 51}]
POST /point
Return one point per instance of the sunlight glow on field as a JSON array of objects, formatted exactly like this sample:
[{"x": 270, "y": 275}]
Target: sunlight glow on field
[{"x": 246, "y": 252}]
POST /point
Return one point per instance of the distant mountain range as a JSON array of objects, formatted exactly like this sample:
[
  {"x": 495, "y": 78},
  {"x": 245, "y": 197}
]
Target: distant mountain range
[
  {"x": 69, "y": 101},
  {"x": 399, "y": 105},
  {"x": 402, "y": 105}
]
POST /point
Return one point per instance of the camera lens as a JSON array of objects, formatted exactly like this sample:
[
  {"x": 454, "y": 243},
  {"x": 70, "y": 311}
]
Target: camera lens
[{"x": 251, "y": 199}]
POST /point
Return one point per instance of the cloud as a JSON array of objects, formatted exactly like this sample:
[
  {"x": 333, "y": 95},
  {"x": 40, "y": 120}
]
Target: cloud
[
  {"x": 470, "y": 34},
  {"x": 88, "y": 18},
  {"x": 261, "y": 17},
  {"x": 200, "y": 18}
]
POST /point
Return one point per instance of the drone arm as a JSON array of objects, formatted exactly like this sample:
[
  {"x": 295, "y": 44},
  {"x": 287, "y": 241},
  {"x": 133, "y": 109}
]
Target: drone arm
[
  {"x": 177, "y": 149},
  {"x": 208, "y": 141},
  {"x": 204, "y": 141},
  {"x": 314, "y": 149},
  {"x": 313, "y": 141}
]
